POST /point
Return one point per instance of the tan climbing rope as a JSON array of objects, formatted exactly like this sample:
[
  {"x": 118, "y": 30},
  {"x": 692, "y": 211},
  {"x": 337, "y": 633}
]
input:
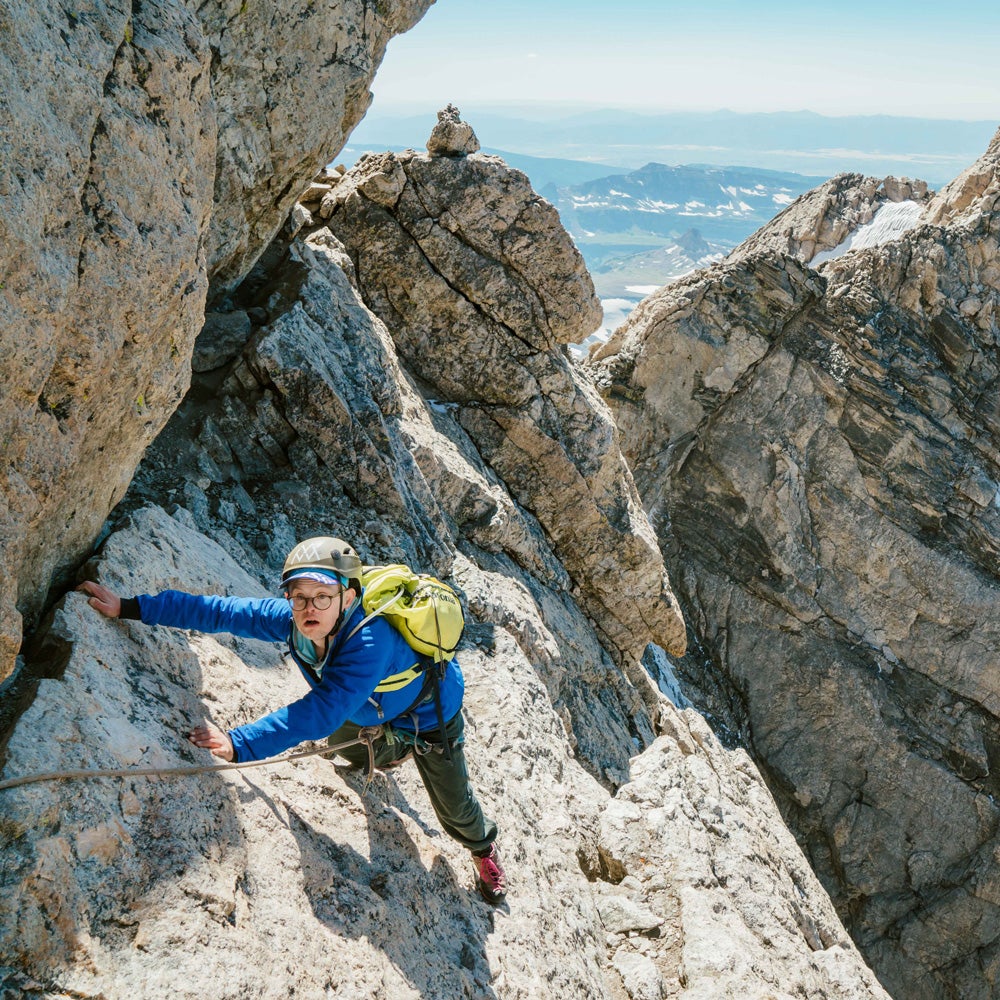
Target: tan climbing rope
[{"x": 367, "y": 736}]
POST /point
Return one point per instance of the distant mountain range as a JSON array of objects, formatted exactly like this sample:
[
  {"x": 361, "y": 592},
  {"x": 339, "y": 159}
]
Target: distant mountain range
[
  {"x": 655, "y": 205},
  {"x": 933, "y": 149},
  {"x": 656, "y": 196}
]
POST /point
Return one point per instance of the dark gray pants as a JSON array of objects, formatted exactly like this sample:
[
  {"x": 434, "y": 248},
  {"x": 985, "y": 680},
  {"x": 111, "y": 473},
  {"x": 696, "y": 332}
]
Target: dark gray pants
[{"x": 447, "y": 782}]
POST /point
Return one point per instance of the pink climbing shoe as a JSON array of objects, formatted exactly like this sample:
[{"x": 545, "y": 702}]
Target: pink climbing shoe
[{"x": 492, "y": 880}]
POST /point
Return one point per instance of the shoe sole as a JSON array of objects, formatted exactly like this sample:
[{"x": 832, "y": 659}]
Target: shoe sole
[{"x": 489, "y": 896}]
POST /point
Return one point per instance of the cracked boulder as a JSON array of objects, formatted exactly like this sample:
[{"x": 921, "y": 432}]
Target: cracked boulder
[{"x": 481, "y": 288}]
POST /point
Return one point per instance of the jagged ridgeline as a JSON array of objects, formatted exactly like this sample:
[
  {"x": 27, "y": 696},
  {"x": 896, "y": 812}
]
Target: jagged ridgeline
[
  {"x": 813, "y": 424},
  {"x": 382, "y": 355}
]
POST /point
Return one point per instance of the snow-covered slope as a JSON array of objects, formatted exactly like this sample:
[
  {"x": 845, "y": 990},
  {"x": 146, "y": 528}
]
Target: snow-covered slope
[{"x": 889, "y": 223}]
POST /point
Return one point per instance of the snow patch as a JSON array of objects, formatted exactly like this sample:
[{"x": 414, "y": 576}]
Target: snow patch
[
  {"x": 888, "y": 224},
  {"x": 652, "y": 205},
  {"x": 616, "y": 311},
  {"x": 617, "y": 305},
  {"x": 660, "y": 668}
]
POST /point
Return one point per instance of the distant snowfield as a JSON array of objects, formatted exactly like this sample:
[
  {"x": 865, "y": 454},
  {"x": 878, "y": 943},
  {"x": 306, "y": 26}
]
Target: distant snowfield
[
  {"x": 889, "y": 223},
  {"x": 616, "y": 311},
  {"x": 639, "y": 290}
]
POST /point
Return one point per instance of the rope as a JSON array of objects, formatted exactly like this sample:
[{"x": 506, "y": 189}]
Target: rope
[{"x": 368, "y": 735}]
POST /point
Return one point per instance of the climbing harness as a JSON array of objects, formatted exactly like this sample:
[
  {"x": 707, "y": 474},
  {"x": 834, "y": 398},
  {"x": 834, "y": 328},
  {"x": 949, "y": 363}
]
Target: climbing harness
[
  {"x": 367, "y": 736},
  {"x": 420, "y": 745}
]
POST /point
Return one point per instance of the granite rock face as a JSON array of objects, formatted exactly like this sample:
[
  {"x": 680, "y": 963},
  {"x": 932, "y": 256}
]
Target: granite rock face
[
  {"x": 820, "y": 449},
  {"x": 715, "y": 893},
  {"x": 645, "y": 860},
  {"x": 148, "y": 150}
]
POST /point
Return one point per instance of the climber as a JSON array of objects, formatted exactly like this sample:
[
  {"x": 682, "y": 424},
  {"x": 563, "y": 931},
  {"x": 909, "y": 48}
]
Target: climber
[{"x": 321, "y": 581}]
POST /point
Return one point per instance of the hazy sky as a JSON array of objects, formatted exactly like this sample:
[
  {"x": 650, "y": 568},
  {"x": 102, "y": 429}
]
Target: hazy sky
[{"x": 903, "y": 57}]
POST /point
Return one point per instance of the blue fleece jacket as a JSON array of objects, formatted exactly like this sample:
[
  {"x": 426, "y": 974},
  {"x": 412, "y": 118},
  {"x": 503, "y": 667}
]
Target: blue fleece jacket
[{"x": 344, "y": 690}]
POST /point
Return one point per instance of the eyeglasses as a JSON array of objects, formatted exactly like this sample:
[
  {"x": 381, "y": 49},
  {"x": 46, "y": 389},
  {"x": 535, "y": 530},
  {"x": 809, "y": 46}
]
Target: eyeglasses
[{"x": 320, "y": 602}]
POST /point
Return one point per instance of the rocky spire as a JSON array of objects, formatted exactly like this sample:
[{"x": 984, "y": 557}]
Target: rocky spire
[{"x": 480, "y": 285}]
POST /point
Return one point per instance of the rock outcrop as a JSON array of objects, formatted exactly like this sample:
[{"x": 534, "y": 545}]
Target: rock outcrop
[
  {"x": 821, "y": 220},
  {"x": 820, "y": 450},
  {"x": 451, "y": 136},
  {"x": 972, "y": 193},
  {"x": 452, "y": 252},
  {"x": 148, "y": 150}
]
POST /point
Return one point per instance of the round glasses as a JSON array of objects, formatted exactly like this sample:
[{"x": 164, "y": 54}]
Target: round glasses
[{"x": 320, "y": 602}]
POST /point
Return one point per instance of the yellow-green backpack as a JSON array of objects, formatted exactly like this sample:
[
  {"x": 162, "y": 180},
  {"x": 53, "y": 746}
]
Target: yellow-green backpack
[{"x": 424, "y": 610}]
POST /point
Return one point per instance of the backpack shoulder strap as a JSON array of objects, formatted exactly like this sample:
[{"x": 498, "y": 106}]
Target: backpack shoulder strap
[{"x": 374, "y": 614}]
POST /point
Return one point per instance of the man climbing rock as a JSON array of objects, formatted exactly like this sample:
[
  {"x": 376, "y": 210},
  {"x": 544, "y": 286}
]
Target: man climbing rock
[{"x": 359, "y": 677}]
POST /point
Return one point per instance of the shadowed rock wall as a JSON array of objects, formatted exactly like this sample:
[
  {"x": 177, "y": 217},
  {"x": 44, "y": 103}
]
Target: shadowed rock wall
[{"x": 147, "y": 150}]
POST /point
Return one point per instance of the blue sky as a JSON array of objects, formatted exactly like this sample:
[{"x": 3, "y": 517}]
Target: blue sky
[{"x": 877, "y": 57}]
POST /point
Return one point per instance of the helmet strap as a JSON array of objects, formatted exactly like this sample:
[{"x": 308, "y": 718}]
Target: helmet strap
[{"x": 340, "y": 615}]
